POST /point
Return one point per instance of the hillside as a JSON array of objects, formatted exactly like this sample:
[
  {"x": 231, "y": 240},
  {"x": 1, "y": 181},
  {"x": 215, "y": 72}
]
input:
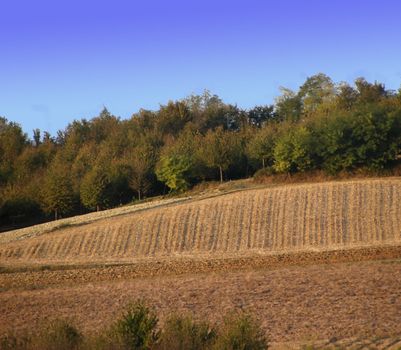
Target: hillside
[{"x": 283, "y": 219}]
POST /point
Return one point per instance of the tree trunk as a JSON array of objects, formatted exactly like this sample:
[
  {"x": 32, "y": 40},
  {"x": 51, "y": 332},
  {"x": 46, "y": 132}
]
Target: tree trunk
[
  {"x": 263, "y": 162},
  {"x": 97, "y": 208},
  {"x": 221, "y": 173},
  {"x": 139, "y": 195},
  {"x": 55, "y": 214}
]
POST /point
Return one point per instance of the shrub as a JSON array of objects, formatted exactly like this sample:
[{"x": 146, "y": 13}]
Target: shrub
[
  {"x": 57, "y": 335},
  {"x": 263, "y": 173},
  {"x": 241, "y": 332},
  {"x": 12, "y": 342},
  {"x": 182, "y": 333},
  {"x": 136, "y": 329}
]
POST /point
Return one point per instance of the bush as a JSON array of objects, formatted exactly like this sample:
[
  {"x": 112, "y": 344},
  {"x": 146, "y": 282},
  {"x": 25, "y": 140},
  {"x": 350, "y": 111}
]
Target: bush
[
  {"x": 136, "y": 329},
  {"x": 263, "y": 173},
  {"x": 57, "y": 335},
  {"x": 182, "y": 333},
  {"x": 241, "y": 332},
  {"x": 12, "y": 342}
]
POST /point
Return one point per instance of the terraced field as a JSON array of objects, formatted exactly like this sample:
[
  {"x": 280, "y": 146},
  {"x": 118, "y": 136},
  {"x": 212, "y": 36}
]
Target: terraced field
[{"x": 324, "y": 216}]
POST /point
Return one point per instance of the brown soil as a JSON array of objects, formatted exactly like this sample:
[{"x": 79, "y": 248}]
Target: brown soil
[{"x": 301, "y": 304}]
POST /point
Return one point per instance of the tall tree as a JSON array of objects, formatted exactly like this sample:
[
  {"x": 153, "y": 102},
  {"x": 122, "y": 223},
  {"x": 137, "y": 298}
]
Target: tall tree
[
  {"x": 261, "y": 145},
  {"x": 140, "y": 162},
  {"x": 58, "y": 195},
  {"x": 94, "y": 189},
  {"x": 219, "y": 150}
]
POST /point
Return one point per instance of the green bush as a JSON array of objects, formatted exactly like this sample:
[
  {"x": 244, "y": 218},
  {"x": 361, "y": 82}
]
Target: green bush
[
  {"x": 136, "y": 329},
  {"x": 240, "y": 332},
  {"x": 183, "y": 333}
]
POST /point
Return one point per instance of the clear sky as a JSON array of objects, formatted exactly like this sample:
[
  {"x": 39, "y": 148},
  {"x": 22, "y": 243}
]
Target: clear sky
[{"x": 63, "y": 60}]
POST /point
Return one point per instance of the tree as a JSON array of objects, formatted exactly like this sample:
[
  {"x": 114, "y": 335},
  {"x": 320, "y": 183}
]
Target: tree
[
  {"x": 36, "y": 137},
  {"x": 261, "y": 145},
  {"x": 58, "y": 195},
  {"x": 260, "y": 115},
  {"x": 369, "y": 93},
  {"x": 140, "y": 162},
  {"x": 172, "y": 170},
  {"x": 219, "y": 150},
  {"x": 346, "y": 97},
  {"x": 94, "y": 189},
  {"x": 293, "y": 151},
  {"x": 316, "y": 90},
  {"x": 288, "y": 105}
]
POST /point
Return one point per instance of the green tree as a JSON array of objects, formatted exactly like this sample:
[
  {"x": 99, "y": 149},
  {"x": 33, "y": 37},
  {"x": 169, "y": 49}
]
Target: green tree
[
  {"x": 316, "y": 90},
  {"x": 294, "y": 151},
  {"x": 261, "y": 145},
  {"x": 288, "y": 105},
  {"x": 259, "y": 115},
  {"x": 173, "y": 170},
  {"x": 58, "y": 196},
  {"x": 219, "y": 150},
  {"x": 94, "y": 189}
]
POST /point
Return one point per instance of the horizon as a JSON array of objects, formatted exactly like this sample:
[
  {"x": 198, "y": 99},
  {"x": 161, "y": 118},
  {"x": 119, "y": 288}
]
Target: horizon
[{"x": 67, "y": 61}]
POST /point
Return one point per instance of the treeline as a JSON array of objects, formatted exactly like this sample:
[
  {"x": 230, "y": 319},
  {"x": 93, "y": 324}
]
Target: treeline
[
  {"x": 106, "y": 161},
  {"x": 138, "y": 329}
]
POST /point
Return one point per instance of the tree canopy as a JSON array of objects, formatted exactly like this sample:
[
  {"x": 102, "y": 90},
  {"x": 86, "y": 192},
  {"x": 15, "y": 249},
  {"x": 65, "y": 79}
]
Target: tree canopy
[{"x": 107, "y": 161}]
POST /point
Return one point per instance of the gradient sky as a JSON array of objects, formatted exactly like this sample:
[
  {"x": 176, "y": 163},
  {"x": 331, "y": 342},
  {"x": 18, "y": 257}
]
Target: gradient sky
[{"x": 64, "y": 60}]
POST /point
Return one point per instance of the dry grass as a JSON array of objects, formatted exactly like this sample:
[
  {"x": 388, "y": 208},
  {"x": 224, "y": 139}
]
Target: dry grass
[
  {"x": 294, "y": 304},
  {"x": 286, "y": 219}
]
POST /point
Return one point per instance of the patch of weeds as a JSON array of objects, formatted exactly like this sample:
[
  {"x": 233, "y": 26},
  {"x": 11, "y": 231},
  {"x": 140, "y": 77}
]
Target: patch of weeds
[
  {"x": 183, "y": 333},
  {"x": 240, "y": 331},
  {"x": 57, "y": 335}
]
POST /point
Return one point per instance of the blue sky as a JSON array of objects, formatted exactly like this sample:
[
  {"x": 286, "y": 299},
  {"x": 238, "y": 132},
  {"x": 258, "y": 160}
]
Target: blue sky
[{"x": 64, "y": 60}]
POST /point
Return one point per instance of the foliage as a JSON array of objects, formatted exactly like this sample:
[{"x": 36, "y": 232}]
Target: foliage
[
  {"x": 136, "y": 329},
  {"x": 58, "y": 196},
  {"x": 105, "y": 161},
  {"x": 57, "y": 335},
  {"x": 261, "y": 145},
  {"x": 141, "y": 162},
  {"x": 293, "y": 151},
  {"x": 172, "y": 170},
  {"x": 94, "y": 189},
  {"x": 219, "y": 150},
  {"x": 240, "y": 332},
  {"x": 183, "y": 333}
]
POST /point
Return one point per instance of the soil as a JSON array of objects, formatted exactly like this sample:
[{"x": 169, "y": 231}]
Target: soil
[{"x": 358, "y": 302}]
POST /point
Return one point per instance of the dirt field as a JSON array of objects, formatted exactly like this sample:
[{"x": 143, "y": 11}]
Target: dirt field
[
  {"x": 284, "y": 219},
  {"x": 317, "y": 264},
  {"x": 296, "y": 304}
]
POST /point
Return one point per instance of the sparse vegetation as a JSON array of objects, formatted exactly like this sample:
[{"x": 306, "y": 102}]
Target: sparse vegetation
[
  {"x": 137, "y": 329},
  {"x": 240, "y": 332},
  {"x": 183, "y": 333}
]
